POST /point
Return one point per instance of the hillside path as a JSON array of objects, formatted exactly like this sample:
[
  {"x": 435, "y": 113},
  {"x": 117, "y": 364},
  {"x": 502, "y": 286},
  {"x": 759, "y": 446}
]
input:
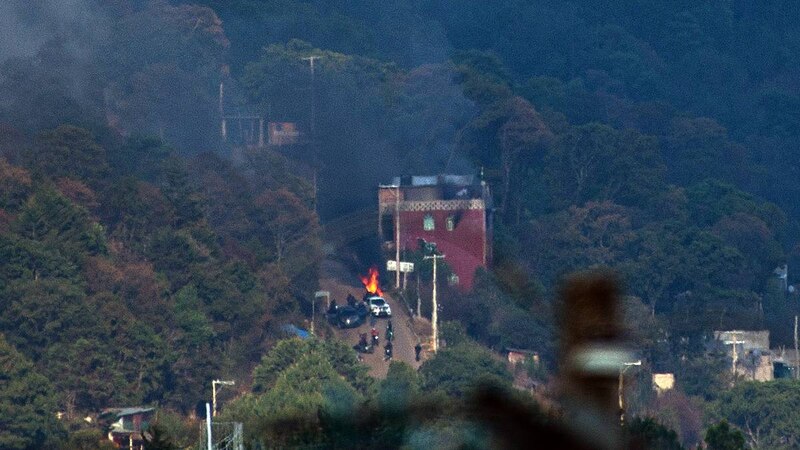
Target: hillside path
[{"x": 336, "y": 278}]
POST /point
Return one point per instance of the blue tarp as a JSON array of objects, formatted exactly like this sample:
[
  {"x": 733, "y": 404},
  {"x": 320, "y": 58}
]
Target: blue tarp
[{"x": 299, "y": 332}]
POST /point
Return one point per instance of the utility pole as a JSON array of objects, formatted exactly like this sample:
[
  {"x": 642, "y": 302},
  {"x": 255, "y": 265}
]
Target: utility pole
[
  {"x": 396, "y": 188},
  {"x": 621, "y": 389},
  {"x": 397, "y": 235},
  {"x": 214, "y": 384},
  {"x": 434, "y": 314},
  {"x": 796, "y": 355},
  {"x": 312, "y": 126},
  {"x": 419, "y": 299},
  {"x": 311, "y": 60},
  {"x": 223, "y": 124},
  {"x": 209, "y": 441},
  {"x": 405, "y": 273}
]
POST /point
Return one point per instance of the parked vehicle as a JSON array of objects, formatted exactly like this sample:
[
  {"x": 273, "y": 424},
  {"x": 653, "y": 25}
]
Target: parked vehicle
[
  {"x": 379, "y": 307},
  {"x": 363, "y": 310},
  {"x": 348, "y": 317}
]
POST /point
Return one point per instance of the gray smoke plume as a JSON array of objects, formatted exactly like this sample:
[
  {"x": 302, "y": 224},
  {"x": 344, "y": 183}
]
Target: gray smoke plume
[{"x": 27, "y": 25}]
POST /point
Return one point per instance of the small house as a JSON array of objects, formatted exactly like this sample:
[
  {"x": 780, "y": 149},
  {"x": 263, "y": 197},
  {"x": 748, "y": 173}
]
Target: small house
[{"x": 125, "y": 425}]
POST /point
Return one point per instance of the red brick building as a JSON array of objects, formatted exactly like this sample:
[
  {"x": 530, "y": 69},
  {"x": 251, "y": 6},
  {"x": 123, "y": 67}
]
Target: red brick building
[{"x": 454, "y": 211}]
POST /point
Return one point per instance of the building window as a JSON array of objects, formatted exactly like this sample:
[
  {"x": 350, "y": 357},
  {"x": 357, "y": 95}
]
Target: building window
[
  {"x": 427, "y": 223},
  {"x": 452, "y": 280},
  {"x": 451, "y": 223},
  {"x": 387, "y": 227}
]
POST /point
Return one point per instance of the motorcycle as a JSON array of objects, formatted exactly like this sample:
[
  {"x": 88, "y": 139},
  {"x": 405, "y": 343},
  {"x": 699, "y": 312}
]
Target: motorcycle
[
  {"x": 388, "y": 351},
  {"x": 363, "y": 346}
]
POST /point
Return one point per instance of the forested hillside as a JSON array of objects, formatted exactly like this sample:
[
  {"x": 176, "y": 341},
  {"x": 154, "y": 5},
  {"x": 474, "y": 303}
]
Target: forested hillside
[{"x": 139, "y": 259}]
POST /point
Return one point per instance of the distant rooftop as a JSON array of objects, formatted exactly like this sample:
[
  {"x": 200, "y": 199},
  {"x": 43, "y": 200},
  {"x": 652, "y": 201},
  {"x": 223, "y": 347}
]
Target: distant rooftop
[
  {"x": 121, "y": 412},
  {"x": 434, "y": 180}
]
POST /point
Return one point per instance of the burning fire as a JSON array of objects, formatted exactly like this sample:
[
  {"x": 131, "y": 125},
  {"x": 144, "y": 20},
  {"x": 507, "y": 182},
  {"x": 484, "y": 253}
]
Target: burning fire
[{"x": 371, "y": 283}]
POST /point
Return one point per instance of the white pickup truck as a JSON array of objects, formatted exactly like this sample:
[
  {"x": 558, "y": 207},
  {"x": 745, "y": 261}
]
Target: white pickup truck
[{"x": 378, "y": 306}]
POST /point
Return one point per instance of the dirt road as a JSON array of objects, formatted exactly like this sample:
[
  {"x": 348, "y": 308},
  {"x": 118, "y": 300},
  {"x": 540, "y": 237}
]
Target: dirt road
[{"x": 337, "y": 279}]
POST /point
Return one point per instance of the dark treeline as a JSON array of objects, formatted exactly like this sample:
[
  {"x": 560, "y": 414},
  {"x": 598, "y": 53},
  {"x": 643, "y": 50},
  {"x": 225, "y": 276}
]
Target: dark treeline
[{"x": 138, "y": 261}]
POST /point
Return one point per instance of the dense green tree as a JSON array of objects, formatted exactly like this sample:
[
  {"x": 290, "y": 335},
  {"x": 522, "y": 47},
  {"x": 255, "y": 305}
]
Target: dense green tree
[
  {"x": 15, "y": 185},
  {"x": 711, "y": 200},
  {"x": 176, "y": 428},
  {"x": 695, "y": 143},
  {"x": 88, "y": 439},
  {"x": 175, "y": 253},
  {"x": 597, "y": 233},
  {"x": 647, "y": 433},
  {"x": 68, "y": 151},
  {"x": 399, "y": 389},
  {"x": 288, "y": 351},
  {"x": 460, "y": 369},
  {"x": 288, "y": 224},
  {"x": 26, "y": 259},
  {"x": 491, "y": 317},
  {"x": 50, "y": 218},
  {"x": 179, "y": 189},
  {"x": 37, "y": 314},
  {"x": 190, "y": 316},
  {"x": 779, "y": 311},
  {"x": 88, "y": 377},
  {"x": 596, "y": 162},
  {"x": 134, "y": 212},
  {"x": 764, "y": 412},
  {"x": 520, "y": 136},
  {"x": 141, "y": 156},
  {"x": 27, "y": 404},
  {"x": 305, "y": 393},
  {"x": 722, "y": 436},
  {"x": 156, "y": 438}
]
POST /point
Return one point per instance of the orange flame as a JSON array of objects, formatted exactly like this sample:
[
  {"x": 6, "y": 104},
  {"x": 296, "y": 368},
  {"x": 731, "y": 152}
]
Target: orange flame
[{"x": 371, "y": 283}]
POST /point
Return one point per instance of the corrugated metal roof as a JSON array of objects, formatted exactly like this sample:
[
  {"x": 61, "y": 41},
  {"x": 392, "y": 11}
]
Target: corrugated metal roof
[{"x": 121, "y": 412}]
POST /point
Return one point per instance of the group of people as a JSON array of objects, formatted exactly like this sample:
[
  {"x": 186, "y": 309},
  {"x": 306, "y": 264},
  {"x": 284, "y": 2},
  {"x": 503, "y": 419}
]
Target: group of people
[
  {"x": 364, "y": 347},
  {"x": 388, "y": 349}
]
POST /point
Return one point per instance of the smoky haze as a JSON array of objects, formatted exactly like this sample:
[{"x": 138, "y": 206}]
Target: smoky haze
[
  {"x": 26, "y": 26},
  {"x": 154, "y": 68},
  {"x": 137, "y": 67}
]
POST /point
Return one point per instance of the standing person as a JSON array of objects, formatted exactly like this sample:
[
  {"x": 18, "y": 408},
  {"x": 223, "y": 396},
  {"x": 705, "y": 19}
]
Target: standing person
[
  {"x": 418, "y": 350},
  {"x": 362, "y": 342},
  {"x": 388, "y": 350},
  {"x": 375, "y": 338}
]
